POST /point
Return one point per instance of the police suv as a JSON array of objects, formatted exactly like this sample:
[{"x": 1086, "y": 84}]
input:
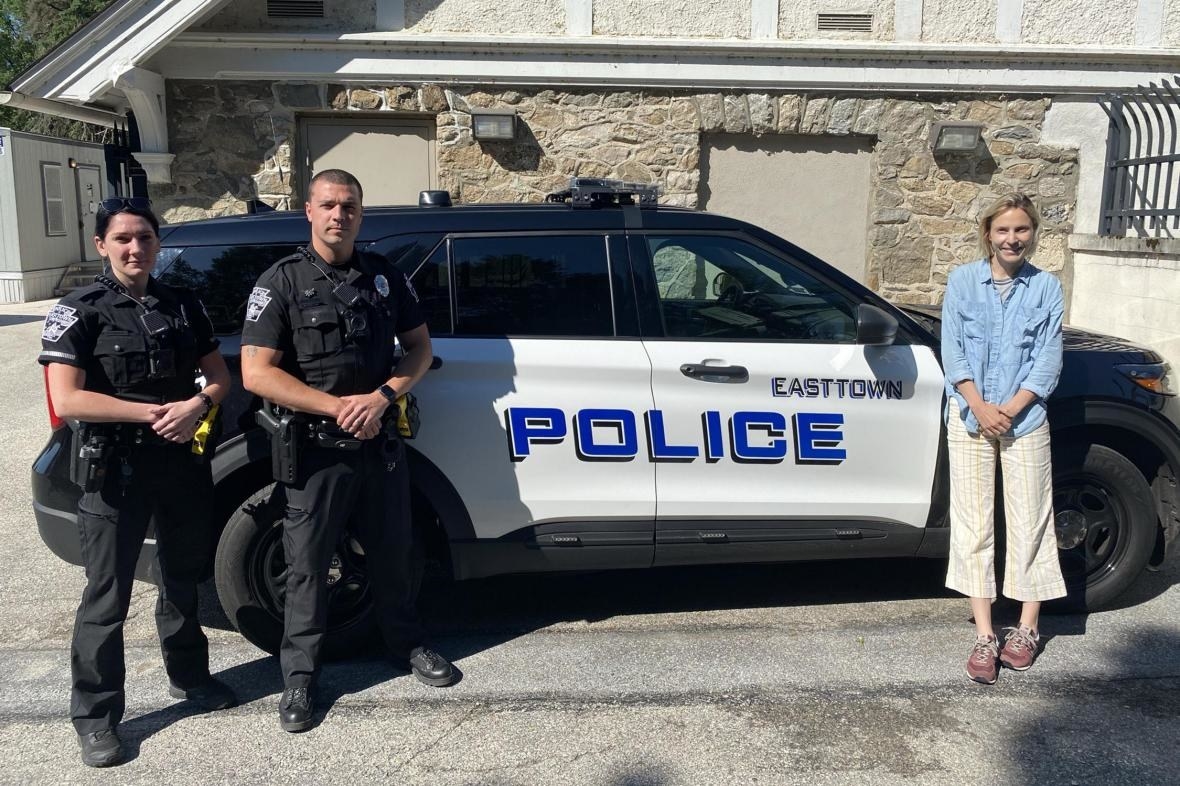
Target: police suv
[{"x": 618, "y": 384}]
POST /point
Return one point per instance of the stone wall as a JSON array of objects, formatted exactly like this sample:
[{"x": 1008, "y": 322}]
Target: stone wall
[{"x": 233, "y": 141}]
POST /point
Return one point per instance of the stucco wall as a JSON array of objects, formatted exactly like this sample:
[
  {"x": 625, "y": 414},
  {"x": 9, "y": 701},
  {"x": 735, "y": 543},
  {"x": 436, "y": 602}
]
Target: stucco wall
[
  {"x": 798, "y": 19},
  {"x": 243, "y": 16},
  {"x": 676, "y": 18},
  {"x": 1128, "y": 291},
  {"x": 491, "y": 17},
  {"x": 965, "y": 21},
  {"x": 1090, "y": 22}
]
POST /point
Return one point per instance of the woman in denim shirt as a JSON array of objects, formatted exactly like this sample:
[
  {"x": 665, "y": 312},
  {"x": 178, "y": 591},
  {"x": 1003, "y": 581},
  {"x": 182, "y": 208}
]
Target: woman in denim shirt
[{"x": 1001, "y": 349}]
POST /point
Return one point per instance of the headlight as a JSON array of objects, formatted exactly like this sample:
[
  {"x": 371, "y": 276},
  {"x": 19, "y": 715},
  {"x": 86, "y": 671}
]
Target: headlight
[{"x": 1155, "y": 377}]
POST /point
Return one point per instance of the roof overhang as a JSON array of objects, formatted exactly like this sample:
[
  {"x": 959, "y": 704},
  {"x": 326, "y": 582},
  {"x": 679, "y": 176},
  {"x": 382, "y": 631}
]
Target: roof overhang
[
  {"x": 669, "y": 63},
  {"x": 126, "y": 34}
]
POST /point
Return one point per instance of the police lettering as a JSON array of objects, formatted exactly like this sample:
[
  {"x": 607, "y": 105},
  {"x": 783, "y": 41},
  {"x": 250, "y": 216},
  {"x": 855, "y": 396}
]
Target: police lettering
[
  {"x": 824, "y": 387},
  {"x": 613, "y": 435}
]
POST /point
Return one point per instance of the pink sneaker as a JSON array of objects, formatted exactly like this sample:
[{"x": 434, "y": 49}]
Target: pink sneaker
[
  {"x": 1020, "y": 648},
  {"x": 981, "y": 664}
]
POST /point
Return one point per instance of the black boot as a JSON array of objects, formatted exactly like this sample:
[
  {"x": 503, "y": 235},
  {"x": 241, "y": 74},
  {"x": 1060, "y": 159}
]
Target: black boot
[
  {"x": 431, "y": 668},
  {"x": 101, "y": 748},
  {"x": 295, "y": 709},
  {"x": 209, "y": 695}
]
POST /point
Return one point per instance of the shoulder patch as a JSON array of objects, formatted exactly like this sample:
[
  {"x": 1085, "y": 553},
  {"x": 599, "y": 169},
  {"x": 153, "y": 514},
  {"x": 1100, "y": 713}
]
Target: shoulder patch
[
  {"x": 259, "y": 300},
  {"x": 59, "y": 319}
]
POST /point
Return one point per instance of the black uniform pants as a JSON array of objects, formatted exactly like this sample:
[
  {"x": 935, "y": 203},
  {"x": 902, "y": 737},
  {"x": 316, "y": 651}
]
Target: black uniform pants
[
  {"x": 164, "y": 484},
  {"x": 369, "y": 490}
]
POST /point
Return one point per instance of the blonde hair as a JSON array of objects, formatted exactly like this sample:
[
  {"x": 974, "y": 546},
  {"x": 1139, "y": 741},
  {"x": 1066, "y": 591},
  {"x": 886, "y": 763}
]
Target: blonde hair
[{"x": 1003, "y": 205}]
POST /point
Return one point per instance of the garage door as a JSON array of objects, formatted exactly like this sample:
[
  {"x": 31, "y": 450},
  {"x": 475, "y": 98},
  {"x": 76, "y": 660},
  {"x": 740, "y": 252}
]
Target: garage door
[
  {"x": 813, "y": 191},
  {"x": 393, "y": 159}
]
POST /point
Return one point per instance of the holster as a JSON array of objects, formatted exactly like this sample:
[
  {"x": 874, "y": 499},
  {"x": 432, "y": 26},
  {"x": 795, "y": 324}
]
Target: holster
[
  {"x": 91, "y": 449},
  {"x": 285, "y": 438}
]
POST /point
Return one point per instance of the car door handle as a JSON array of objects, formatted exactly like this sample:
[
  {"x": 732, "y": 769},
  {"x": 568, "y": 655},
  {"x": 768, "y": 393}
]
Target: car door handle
[{"x": 715, "y": 373}]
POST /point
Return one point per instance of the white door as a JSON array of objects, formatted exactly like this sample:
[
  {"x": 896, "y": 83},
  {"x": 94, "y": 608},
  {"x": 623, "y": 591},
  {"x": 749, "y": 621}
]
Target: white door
[
  {"x": 89, "y": 194},
  {"x": 393, "y": 159},
  {"x": 535, "y": 413},
  {"x": 776, "y": 429}
]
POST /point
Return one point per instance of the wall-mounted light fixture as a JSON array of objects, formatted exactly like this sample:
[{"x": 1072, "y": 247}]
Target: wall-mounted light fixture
[
  {"x": 953, "y": 136},
  {"x": 72, "y": 163},
  {"x": 493, "y": 124}
]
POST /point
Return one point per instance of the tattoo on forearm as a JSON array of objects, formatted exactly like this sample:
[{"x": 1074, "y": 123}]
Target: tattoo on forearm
[{"x": 251, "y": 351}]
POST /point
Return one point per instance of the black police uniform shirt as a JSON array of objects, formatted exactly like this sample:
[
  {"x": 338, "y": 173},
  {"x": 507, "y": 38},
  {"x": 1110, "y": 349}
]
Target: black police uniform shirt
[
  {"x": 99, "y": 329},
  {"x": 293, "y": 309}
]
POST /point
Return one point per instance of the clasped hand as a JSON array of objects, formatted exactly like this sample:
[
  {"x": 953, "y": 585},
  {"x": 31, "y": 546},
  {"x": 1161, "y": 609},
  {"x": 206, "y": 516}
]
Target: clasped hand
[
  {"x": 177, "y": 421},
  {"x": 360, "y": 415},
  {"x": 994, "y": 421}
]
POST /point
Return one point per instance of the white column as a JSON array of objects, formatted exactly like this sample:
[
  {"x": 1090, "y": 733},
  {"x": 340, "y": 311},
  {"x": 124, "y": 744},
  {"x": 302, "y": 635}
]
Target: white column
[
  {"x": 763, "y": 19},
  {"x": 145, "y": 94},
  {"x": 1149, "y": 23},
  {"x": 1008, "y": 20},
  {"x": 391, "y": 15},
  {"x": 907, "y": 20},
  {"x": 579, "y": 17}
]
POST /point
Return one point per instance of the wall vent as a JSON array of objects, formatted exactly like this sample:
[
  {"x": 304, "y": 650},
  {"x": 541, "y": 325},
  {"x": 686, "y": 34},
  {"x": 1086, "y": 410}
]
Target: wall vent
[
  {"x": 857, "y": 23},
  {"x": 295, "y": 9}
]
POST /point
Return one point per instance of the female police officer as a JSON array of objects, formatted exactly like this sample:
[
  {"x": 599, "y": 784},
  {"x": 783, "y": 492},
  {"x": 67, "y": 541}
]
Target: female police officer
[{"x": 122, "y": 356}]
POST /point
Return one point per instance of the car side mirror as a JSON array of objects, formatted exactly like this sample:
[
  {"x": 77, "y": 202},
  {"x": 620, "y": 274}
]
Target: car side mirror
[{"x": 874, "y": 327}]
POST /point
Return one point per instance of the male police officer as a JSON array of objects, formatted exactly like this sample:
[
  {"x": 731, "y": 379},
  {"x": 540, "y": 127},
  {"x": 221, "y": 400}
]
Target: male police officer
[{"x": 319, "y": 341}]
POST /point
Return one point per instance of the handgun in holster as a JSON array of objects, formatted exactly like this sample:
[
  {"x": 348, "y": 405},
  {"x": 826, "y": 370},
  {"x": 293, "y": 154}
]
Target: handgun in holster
[
  {"x": 285, "y": 437},
  {"x": 92, "y": 448}
]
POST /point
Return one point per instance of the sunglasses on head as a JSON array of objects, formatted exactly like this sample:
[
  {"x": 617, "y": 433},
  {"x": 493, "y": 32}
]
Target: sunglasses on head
[{"x": 117, "y": 204}]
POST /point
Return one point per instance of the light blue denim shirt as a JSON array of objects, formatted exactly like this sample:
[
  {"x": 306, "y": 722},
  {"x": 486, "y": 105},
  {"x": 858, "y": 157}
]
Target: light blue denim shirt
[{"x": 1002, "y": 346}]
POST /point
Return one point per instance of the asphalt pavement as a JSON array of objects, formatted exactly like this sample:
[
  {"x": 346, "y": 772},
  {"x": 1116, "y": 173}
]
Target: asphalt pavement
[{"x": 812, "y": 674}]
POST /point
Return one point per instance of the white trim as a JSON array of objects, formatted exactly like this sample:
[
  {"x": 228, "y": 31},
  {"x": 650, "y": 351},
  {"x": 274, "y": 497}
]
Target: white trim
[
  {"x": 907, "y": 20},
  {"x": 1009, "y": 18},
  {"x": 391, "y": 15},
  {"x": 1149, "y": 23},
  {"x": 127, "y": 34},
  {"x": 687, "y": 64},
  {"x": 579, "y": 17},
  {"x": 98, "y": 117},
  {"x": 145, "y": 93},
  {"x": 764, "y": 19},
  {"x": 158, "y": 166}
]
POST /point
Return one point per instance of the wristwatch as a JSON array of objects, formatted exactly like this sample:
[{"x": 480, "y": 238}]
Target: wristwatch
[
  {"x": 389, "y": 393},
  {"x": 208, "y": 400}
]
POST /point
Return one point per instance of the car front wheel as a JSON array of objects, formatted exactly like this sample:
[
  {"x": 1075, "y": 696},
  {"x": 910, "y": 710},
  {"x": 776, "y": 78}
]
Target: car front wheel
[
  {"x": 250, "y": 574},
  {"x": 1105, "y": 523}
]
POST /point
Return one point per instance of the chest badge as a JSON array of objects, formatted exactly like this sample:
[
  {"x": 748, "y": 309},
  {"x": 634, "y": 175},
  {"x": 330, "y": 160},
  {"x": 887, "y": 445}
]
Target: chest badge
[
  {"x": 382, "y": 284},
  {"x": 309, "y": 293}
]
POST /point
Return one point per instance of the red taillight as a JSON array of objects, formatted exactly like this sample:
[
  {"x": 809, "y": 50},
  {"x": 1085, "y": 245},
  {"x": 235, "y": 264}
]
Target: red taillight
[{"x": 54, "y": 421}]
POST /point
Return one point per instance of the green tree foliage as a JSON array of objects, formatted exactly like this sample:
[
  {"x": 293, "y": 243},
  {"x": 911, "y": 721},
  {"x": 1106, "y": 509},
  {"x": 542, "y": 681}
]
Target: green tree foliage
[{"x": 28, "y": 30}]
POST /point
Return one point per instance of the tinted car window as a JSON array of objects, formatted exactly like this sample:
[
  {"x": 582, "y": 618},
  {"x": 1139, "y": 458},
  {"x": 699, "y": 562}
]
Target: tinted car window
[
  {"x": 223, "y": 277},
  {"x": 721, "y": 287},
  {"x": 532, "y": 286},
  {"x": 432, "y": 283}
]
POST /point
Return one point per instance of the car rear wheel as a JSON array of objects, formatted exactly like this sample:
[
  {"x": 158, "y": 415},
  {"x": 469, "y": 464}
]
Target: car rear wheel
[
  {"x": 1105, "y": 523},
  {"x": 250, "y": 573}
]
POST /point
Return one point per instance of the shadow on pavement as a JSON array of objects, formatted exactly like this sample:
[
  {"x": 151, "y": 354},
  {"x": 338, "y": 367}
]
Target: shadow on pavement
[
  {"x": 19, "y": 319},
  {"x": 1119, "y": 727}
]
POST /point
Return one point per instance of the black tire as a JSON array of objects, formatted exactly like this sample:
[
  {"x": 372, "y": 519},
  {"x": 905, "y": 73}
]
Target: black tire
[
  {"x": 249, "y": 571},
  {"x": 1105, "y": 521}
]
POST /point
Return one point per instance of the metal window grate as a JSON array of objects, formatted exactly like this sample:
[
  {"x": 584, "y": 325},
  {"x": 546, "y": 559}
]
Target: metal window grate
[
  {"x": 295, "y": 9},
  {"x": 858, "y": 23},
  {"x": 1141, "y": 187}
]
